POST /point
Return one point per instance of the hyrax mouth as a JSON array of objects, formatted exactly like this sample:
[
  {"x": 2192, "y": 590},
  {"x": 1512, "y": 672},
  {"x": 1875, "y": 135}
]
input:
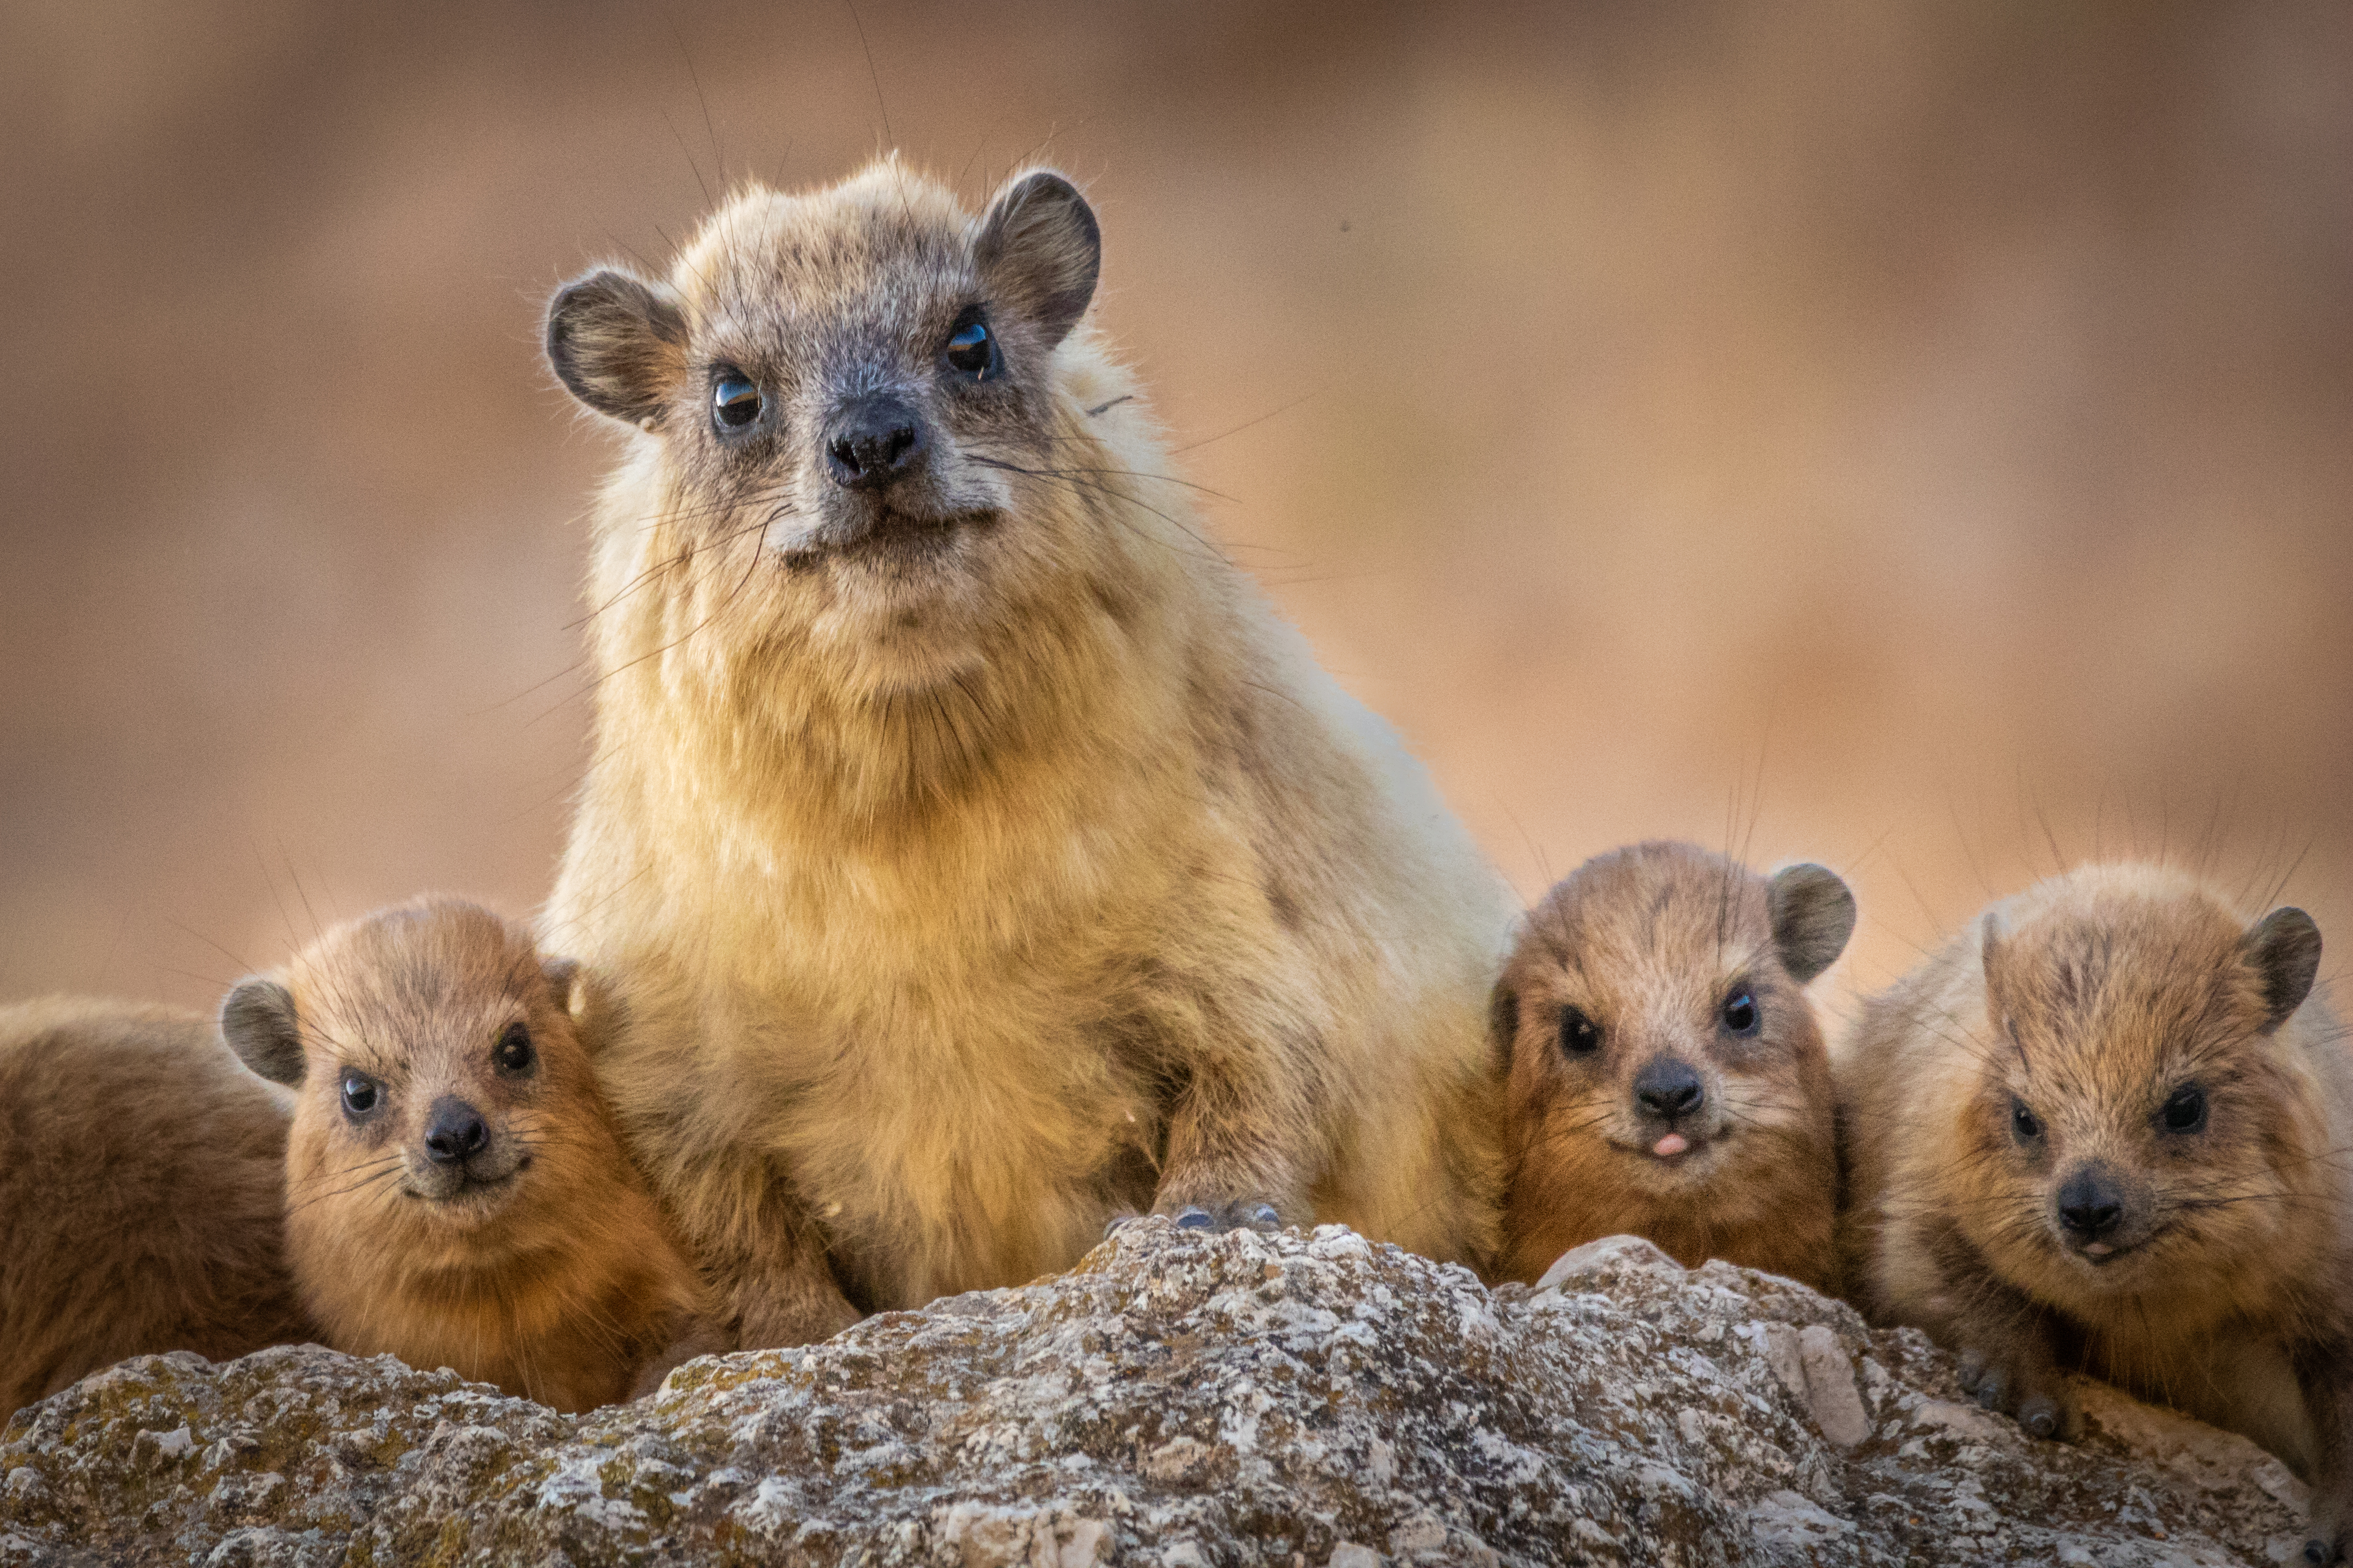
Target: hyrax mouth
[
  {"x": 457, "y": 1194},
  {"x": 892, "y": 538}
]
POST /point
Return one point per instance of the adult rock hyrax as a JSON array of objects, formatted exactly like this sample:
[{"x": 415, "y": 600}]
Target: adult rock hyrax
[
  {"x": 140, "y": 1173},
  {"x": 2108, "y": 1127},
  {"x": 976, "y": 854},
  {"x": 456, "y": 1193},
  {"x": 1664, "y": 1074}
]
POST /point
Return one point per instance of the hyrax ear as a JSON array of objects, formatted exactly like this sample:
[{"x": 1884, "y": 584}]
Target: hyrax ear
[
  {"x": 618, "y": 344},
  {"x": 2283, "y": 950},
  {"x": 581, "y": 991},
  {"x": 1503, "y": 1024},
  {"x": 258, "y": 1021},
  {"x": 1813, "y": 914},
  {"x": 1990, "y": 933},
  {"x": 1040, "y": 251}
]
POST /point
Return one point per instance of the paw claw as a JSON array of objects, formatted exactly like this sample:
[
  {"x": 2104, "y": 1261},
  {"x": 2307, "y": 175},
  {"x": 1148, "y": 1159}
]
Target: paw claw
[
  {"x": 1262, "y": 1216},
  {"x": 1116, "y": 1224},
  {"x": 2317, "y": 1551},
  {"x": 2043, "y": 1423},
  {"x": 1191, "y": 1217}
]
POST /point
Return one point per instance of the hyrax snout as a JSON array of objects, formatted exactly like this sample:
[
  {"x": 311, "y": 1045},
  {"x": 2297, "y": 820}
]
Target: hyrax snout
[{"x": 1665, "y": 1075}]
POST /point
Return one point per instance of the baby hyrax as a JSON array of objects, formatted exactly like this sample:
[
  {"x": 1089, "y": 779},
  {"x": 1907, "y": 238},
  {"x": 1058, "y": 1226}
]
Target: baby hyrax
[
  {"x": 141, "y": 1170},
  {"x": 2110, "y": 1127},
  {"x": 974, "y": 854},
  {"x": 1664, "y": 1076},
  {"x": 455, "y": 1192}
]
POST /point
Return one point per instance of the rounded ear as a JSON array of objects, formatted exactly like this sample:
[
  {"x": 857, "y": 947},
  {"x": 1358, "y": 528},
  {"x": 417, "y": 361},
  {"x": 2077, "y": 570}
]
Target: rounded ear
[
  {"x": 1502, "y": 1023},
  {"x": 1813, "y": 914},
  {"x": 256, "y": 1019},
  {"x": 618, "y": 344},
  {"x": 581, "y": 992},
  {"x": 1039, "y": 250},
  {"x": 2283, "y": 950},
  {"x": 1990, "y": 933}
]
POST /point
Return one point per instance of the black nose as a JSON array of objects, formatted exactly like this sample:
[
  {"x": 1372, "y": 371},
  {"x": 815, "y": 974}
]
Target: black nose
[
  {"x": 2089, "y": 1204},
  {"x": 455, "y": 1131},
  {"x": 872, "y": 443},
  {"x": 1669, "y": 1088}
]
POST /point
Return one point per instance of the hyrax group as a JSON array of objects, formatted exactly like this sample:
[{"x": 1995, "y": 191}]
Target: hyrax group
[{"x": 972, "y": 861}]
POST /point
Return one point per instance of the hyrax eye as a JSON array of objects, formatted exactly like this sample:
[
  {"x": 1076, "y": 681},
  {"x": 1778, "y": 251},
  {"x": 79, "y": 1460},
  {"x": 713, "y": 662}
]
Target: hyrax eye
[
  {"x": 1580, "y": 1036},
  {"x": 2024, "y": 1123},
  {"x": 972, "y": 349},
  {"x": 736, "y": 402},
  {"x": 2186, "y": 1111},
  {"x": 360, "y": 1095},
  {"x": 1740, "y": 1014},
  {"x": 513, "y": 1054}
]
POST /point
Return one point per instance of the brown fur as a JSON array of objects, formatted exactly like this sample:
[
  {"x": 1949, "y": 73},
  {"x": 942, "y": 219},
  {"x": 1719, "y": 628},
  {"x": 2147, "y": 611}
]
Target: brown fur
[
  {"x": 140, "y": 1173},
  {"x": 1650, "y": 944},
  {"x": 980, "y": 863},
  {"x": 545, "y": 1267},
  {"x": 2092, "y": 1001}
]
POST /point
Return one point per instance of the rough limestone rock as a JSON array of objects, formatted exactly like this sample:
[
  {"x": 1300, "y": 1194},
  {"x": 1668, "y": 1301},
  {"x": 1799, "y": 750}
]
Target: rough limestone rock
[{"x": 1305, "y": 1399}]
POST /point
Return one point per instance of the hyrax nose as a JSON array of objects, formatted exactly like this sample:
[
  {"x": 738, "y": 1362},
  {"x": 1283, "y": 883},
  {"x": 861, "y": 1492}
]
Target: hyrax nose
[
  {"x": 872, "y": 442},
  {"x": 2089, "y": 1204},
  {"x": 455, "y": 1131},
  {"x": 1669, "y": 1088}
]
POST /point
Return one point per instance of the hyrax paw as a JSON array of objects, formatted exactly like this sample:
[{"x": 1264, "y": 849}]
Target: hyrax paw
[
  {"x": 1243, "y": 1213},
  {"x": 2045, "y": 1407},
  {"x": 2053, "y": 1416}
]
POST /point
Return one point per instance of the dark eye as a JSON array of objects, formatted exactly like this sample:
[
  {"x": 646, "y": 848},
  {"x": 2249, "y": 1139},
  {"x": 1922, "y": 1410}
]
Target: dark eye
[
  {"x": 2024, "y": 1123},
  {"x": 1740, "y": 1015},
  {"x": 1580, "y": 1036},
  {"x": 2186, "y": 1111},
  {"x": 972, "y": 349},
  {"x": 514, "y": 1054},
  {"x": 735, "y": 402},
  {"x": 359, "y": 1095}
]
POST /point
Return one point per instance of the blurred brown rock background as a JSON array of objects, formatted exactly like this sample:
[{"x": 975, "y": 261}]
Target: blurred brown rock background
[{"x": 1870, "y": 433}]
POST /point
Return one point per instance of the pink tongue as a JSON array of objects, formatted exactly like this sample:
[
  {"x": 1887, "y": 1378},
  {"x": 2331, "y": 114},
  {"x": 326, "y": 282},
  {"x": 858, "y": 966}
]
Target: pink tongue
[{"x": 1672, "y": 1144}]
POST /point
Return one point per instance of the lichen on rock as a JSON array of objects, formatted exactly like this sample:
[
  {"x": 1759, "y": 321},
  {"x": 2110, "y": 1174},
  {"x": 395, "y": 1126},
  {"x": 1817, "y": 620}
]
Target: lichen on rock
[{"x": 1299, "y": 1400}]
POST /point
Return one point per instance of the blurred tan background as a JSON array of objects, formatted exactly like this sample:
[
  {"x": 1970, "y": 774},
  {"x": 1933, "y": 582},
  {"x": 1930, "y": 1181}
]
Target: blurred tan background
[{"x": 1870, "y": 433}]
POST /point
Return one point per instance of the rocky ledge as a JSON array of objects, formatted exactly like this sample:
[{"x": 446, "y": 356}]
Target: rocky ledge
[{"x": 1304, "y": 1399}]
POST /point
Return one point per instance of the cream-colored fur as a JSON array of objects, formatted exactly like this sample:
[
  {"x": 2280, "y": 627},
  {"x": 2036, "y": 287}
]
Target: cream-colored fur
[{"x": 956, "y": 905}]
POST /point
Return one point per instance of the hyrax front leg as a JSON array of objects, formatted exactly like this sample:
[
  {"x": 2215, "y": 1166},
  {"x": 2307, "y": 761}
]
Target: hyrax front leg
[
  {"x": 2006, "y": 1359},
  {"x": 762, "y": 1250},
  {"x": 2325, "y": 1372},
  {"x": 1230, "y": 1161}
]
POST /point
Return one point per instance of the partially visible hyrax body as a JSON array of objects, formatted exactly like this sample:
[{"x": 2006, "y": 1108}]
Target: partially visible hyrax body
[
  {"x": 455, "y": 1189},
  {"x": 2106, "y": 1128},
  {"x": 1664, "y": 1074},
  {"x": 140, "y": 1173},
  {"x": 976, "y": 854}
]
